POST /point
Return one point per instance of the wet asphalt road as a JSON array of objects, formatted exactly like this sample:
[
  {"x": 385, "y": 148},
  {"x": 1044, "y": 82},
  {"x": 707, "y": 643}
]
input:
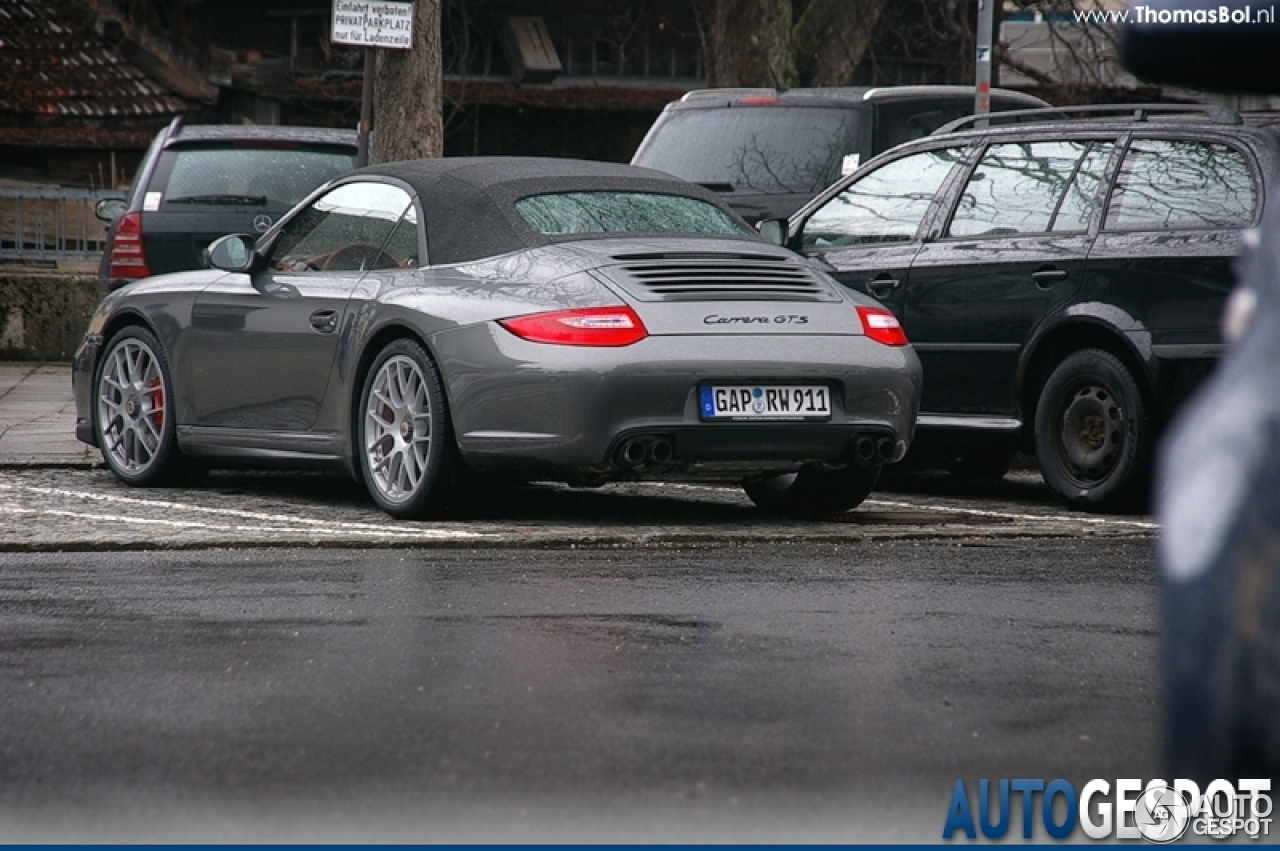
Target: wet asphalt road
[
  {"x": 60, "y": 509},
  {"x": 826, "y": 689}
]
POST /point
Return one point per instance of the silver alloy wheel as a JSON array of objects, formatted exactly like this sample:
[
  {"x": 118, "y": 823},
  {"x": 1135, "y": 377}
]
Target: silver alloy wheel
[
  {"x": 132, "y": 406},
  {"x": 397, "y": 428}
]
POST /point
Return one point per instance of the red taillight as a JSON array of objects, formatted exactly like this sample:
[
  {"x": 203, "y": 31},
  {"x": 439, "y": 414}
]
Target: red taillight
[
  {"x": 757, "y": 100},
  {"x": 128, "y": 259},
  {"x": 882, "y": 326},
  {"x": 591, "y": 326}
]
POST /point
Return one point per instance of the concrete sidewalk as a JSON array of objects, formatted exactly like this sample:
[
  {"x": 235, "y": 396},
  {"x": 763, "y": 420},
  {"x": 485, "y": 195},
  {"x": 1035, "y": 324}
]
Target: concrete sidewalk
[{"x": 38, "y": 417}]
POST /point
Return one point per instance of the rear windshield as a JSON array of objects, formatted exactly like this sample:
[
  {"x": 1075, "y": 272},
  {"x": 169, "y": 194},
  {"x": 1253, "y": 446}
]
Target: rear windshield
[
  {"x": 763, "y": 149},
  {"x": 277, "y": 177},
  {"x": 563, "y": 213}
]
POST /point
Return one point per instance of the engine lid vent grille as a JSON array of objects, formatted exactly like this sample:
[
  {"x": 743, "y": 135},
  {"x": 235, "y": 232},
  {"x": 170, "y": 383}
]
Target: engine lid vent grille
[{"x": 718, "y": 277}]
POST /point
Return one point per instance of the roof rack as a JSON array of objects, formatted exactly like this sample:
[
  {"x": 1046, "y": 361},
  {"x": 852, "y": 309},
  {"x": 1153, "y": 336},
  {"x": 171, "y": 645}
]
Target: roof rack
[
  {"x": 1136, "y": 112},
  {"x": 930, "y": 89},
  {"x": 727, "y": 92}
]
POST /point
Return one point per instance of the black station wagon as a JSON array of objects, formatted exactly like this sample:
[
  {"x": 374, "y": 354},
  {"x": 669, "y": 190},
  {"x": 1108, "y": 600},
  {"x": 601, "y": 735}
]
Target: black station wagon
[{"x": 1061, "y": 274}]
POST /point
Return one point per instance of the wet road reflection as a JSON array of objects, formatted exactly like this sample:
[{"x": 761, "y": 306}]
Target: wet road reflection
[{"x": 784, "y": 692}]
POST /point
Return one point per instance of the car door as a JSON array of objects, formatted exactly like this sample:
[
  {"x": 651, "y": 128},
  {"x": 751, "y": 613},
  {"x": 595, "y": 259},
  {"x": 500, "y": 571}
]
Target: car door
[
  {"x": 1013, "y": 249},
  {"x": 262, "y": 348},
  {"x": 1171, "y": 232},
  {"x": 868, "y": 234}
]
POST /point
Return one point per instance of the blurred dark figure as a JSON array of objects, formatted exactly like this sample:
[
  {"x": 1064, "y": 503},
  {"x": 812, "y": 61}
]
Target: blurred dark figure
[{"x": 1218, "y": 475}]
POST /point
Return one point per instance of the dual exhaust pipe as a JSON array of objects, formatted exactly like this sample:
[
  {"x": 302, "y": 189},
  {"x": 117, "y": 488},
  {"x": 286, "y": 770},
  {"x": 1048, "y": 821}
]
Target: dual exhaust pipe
[
  {"x": 658, "y": 450},
  {"x": 868, "y": 449},
  {"x": 645, "y": 450}
]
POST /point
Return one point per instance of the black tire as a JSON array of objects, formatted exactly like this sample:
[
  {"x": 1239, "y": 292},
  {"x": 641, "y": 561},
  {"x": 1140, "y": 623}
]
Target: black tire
[
  {"x": 813, "y": 492},
  {"x": 1093, "y": 437},
  {"x": 133, "y": 414},
  {"x": 404, "y": 441}
]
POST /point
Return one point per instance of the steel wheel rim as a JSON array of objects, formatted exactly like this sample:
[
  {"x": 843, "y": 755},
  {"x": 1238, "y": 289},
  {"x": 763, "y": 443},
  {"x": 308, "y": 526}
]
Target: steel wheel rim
[
  {"x": 132, "y": 408},
  {"x": 397, "y": 428},
  {"x": 1092, "y": 433}
]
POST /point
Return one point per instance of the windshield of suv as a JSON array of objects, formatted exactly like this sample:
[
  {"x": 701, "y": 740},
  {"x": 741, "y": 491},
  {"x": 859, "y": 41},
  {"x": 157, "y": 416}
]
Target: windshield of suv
[
  {"x": 761, "y": 149},
  {"x": 277, "y": 177}
]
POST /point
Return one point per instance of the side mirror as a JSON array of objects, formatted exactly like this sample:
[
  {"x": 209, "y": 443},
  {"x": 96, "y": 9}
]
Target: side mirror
[
  {"x": 773, "y": 230},
  {"x": 109, "y": 209},
  {"x": 234, "y": 253}
]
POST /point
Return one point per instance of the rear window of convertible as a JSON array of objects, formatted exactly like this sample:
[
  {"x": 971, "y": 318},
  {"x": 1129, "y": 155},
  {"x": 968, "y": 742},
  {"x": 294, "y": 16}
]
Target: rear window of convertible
[{"x": 564, "y": 213}]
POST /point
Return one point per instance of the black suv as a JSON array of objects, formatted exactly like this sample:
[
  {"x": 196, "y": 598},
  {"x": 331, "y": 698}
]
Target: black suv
[
  {"x": 768, "y": 151},
  {"x": 1061, "y": 274},
  {"x": 199, "y": 182}
]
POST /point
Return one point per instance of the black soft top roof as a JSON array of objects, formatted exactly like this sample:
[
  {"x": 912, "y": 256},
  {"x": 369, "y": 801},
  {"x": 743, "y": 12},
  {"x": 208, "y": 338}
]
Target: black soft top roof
[{"x": 469, "y": 202}]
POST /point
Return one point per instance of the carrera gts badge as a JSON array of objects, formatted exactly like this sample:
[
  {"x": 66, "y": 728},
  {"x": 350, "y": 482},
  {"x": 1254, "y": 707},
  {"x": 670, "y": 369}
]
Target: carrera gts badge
[{"x": 781, "y": 319}]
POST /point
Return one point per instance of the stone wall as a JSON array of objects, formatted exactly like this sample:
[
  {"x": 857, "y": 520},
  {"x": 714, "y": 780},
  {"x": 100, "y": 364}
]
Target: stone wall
[{"x": 43, "y": 314}]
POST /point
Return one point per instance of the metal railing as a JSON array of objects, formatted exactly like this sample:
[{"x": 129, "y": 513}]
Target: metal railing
[{"x": 51, "y": 223}]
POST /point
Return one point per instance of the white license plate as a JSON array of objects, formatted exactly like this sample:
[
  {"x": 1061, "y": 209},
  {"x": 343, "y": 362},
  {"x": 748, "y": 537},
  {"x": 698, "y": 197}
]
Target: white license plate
[{"x": 765, "y": 402}]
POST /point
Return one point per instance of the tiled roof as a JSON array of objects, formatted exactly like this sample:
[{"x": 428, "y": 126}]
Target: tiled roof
[{"x": 54, "y": 65}]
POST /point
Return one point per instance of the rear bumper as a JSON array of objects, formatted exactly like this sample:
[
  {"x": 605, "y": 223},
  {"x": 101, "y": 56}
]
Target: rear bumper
[{"x": 517, "y": 404}]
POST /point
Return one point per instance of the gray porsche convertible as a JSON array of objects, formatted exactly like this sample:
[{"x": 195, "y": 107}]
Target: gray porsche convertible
[{"x": 422, "y": 325}]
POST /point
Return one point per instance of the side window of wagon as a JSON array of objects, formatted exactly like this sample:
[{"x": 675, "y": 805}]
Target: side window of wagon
[
  {"x": 1031, "y": 187},
  {"x": 1165, "y": 184},
  {"x": 886, "y": 205},
  {"x": 346, "y": 229}
]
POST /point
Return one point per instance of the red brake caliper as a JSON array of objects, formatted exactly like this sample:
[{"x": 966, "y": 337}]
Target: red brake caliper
[{"x": 157, "y": 403}]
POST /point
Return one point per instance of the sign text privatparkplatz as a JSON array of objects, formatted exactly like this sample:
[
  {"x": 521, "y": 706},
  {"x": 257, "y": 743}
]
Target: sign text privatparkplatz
[{"x": 373, "y": 23}]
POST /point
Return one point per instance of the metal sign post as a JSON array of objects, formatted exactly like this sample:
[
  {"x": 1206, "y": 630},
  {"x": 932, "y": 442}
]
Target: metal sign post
[
  {"x": 370, "y": 24},
  {"x": 982, "y": 65},
  {"x": 366, "y": 111}
]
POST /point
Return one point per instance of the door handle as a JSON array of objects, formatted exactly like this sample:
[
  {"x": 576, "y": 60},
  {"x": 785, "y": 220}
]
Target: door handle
[
  {"x": 1045, "y": 278},
  {"x": 881, "y": 287},
  {"x": 324, "y": 321}
]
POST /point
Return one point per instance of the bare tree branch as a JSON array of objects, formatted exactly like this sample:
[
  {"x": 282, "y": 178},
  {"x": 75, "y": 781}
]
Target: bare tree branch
[
  {"x": 748, "y": 42},
  {"x": 832, "y": 36}
]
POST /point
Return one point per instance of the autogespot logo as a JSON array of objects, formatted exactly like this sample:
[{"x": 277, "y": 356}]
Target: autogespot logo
[
  {"x": 1158, "y": 812},
  {"x": 1162, "y": 814}
]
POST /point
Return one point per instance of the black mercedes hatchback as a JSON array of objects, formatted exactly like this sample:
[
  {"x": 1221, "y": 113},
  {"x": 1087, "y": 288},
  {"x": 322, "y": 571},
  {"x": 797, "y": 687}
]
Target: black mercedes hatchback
[
  {"x": 1061, "y": 273},
  {"x": 198, "y": 182}
]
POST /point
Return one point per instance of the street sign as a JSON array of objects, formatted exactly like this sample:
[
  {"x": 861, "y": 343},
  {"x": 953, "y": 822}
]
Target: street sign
[{"x": 373, "y": 23}]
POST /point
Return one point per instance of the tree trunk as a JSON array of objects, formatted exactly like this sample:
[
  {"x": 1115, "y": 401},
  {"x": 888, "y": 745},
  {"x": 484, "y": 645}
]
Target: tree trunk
[
  {"x": 832, "y": 36},
  {"x": 408, "y": 99},
  {"x": 747, "y": 42}
]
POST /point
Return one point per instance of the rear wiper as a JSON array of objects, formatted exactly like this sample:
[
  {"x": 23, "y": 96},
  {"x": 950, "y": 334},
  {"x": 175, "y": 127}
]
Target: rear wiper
[{"x": 259, "y": 200}]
